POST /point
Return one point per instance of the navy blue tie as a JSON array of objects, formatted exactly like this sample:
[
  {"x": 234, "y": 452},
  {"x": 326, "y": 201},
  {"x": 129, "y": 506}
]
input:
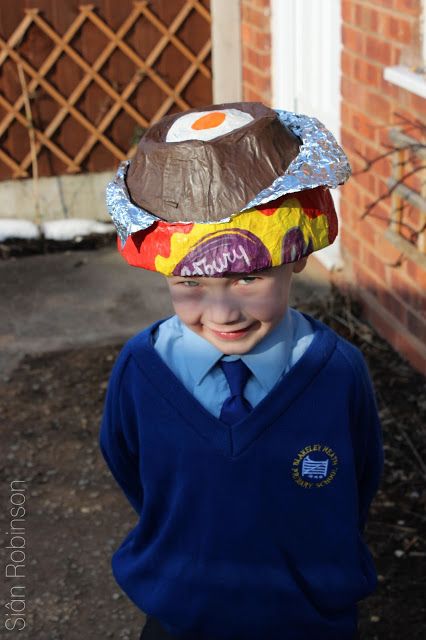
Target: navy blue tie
[{"x": 236, "y": 407}]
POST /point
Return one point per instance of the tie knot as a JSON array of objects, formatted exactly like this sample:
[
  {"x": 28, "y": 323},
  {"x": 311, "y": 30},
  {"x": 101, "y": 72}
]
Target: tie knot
[{"x": 236, "y": 373}]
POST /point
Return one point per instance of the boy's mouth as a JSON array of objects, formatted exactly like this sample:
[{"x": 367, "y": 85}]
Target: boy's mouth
[{"x": 232, "y": 334}]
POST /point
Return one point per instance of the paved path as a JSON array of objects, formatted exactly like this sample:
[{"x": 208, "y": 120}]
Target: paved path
[{"x": 67, "y": 300}]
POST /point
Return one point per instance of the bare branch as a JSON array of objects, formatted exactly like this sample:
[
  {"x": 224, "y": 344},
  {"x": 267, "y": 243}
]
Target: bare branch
[
  {"x": 369, "y": 163},
  {"x": 389, "y": 192},
  {"x": 414, "y": 124}
]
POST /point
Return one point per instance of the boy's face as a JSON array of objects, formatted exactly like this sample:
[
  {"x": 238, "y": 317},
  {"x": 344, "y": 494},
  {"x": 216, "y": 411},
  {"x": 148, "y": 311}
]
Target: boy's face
[{"x": 234, "y": 312}]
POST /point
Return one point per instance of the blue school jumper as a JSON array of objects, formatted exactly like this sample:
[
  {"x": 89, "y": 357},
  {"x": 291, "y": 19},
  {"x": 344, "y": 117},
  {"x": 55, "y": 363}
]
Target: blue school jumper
[{"x": 251, "y": 531}]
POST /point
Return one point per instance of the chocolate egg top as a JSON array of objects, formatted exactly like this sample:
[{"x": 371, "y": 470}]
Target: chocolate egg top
[{"x": 208, "y": 163}]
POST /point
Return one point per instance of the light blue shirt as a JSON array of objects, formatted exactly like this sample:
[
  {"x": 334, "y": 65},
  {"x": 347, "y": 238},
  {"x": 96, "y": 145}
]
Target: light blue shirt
[{"x": 194, "y": 361}]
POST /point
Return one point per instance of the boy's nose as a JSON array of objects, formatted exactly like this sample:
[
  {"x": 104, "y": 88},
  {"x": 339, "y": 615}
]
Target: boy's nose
[{"x": 222, "y": 310}]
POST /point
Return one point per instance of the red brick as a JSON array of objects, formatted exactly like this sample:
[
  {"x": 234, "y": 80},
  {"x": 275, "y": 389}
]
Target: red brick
[
  {"x": 408, "y": 6},
  {"x": 366, "y": 18},
  {"x": 348, "y": 214},
  {"x": 417, "y": 326},
  {"x": 396, "y": 29},
  {"x": 395, "y": 306},
  {"x": 389, "y": 89},
  {"x": 366, "y": 231},
  {"x": 351, "y": 244},
  {"x": 366, "y": 72},
  {"x": 374, "y": 151},
  {"x": 414, "y": 298},
  {"x": 378, "y": 320},
  {"x": 379, "y": 221},
  {"x": 260, "y": 61},
  {"x": 252, "y": 95},
  {"x": 262, "y": 41},
  {"x": 354, "y": 158},
  {"x": 345, "y": 113},
  {"x": 414, "y": 218},
  {"x": 382, "y": 3},
  {"x": 367, "y": 281},
  {"x": 388, "y": 253},
  {"x": 349, "y": 140},
  {"x": 382, "y": 165},
  {"x": 348, "y": 10},
  {"x": 363, "y": 125},
  {"x": 347, "y": 62},
  {"x": 380, "y": 106},
  {"x": 257, "y": 4},
  {"x": 256, "y": 80},
  {"x": 378, "y": 50},
  {"x": 351, "y": 192},
  {"x": 258, "y": 18},
  {"x": 411, "y": 350},
  {"x": 373, "y": 263},
  {"x": 353, "y": 39},
  {"x": 395, "y": 55},
  {"x": 255, "y": 39},
  {"x": 355, "y": 92},
  {"x": 367, "y": 180},
  {"x": 415, "y": 182},
  {"x": 380, "y": 191},
  {"x": 417, "y": 104},
  {"x": 391, "y": 331},
  {"x": 415, "y": 273}
]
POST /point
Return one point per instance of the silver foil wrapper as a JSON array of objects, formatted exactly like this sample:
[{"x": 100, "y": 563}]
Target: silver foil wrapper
[
  {"x": 320, "y": 161},
  {"x": 127, "y": 217}
]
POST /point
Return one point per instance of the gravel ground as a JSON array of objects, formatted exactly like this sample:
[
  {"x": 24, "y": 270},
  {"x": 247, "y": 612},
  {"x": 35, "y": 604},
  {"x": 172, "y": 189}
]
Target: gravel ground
[{"x": 76, "y": 517}]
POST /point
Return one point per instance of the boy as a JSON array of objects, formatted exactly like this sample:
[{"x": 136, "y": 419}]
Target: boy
[{"x": 244, "y": 433}]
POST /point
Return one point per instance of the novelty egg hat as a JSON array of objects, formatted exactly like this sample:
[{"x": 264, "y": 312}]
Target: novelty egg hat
[{"x": 229, "y": 188}]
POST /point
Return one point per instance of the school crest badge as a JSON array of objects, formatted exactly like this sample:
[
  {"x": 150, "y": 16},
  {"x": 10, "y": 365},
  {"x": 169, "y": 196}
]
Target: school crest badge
[{"x": 315, "y": 466}]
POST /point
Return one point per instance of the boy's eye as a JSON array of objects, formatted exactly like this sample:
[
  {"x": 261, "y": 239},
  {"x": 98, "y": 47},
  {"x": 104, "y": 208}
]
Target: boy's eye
[
  {"x": 247, "y": 280},
  {"x": 190, "y": 283}
]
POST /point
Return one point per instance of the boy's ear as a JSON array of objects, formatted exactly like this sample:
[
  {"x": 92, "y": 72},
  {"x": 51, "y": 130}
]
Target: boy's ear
[{"x": 300, "y": 265}]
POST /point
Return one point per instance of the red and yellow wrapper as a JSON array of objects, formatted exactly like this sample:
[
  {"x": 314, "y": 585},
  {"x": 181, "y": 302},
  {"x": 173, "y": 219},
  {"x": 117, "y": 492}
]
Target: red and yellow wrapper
[{"x": 278, "y": 232}]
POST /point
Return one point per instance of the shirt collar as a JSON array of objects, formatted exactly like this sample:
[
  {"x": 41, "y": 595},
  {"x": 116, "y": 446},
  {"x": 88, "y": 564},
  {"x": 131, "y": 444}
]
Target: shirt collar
[
  {"x": 200, "y": 353},
  {"x": 266, "y": 361},
  {"x": 269, "y": 358}
]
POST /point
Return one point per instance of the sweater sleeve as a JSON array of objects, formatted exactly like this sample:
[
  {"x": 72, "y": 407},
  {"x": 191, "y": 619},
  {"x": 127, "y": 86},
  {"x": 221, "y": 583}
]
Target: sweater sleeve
[
  {"x": 372, "y": 444},
  {"x": 118, "y": 436}
]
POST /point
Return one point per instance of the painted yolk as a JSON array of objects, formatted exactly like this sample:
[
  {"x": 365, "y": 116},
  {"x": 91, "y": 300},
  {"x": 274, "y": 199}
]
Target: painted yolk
[
  {"x": 207, "y": 125},
  {"x": 209, "y": 121}
]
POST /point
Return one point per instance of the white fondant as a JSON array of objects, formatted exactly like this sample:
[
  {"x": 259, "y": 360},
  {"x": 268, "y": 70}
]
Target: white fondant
[{"x": 181, "y": 128}]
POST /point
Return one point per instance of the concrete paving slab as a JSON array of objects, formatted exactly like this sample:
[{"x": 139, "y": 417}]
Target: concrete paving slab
[{"x": 71, "y": 299}]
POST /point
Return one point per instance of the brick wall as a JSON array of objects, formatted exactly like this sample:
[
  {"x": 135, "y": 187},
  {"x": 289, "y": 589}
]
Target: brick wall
[
  {"x": 374, "y": 32},
  {"x": 391, "y": 285},
  {"x": 256, "y": 50}
]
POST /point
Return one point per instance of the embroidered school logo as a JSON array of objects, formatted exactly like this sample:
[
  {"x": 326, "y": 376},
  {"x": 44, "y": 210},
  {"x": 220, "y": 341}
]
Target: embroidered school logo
[{"x": 314, "y": 466}]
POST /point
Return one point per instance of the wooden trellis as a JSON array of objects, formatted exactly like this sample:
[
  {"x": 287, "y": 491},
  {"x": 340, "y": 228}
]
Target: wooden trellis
[{"x": 118, "y": 100}]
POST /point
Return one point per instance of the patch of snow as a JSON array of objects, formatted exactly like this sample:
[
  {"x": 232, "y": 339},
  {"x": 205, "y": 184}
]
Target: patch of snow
[
  {"x": 69, "y": 229},
  {"x": 12, "y": 228},
  {"x": 74, "y": 228}
]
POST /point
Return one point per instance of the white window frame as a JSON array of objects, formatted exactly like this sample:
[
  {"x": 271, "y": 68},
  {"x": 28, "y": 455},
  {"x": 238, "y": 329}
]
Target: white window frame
[{"x": 403, "y": 76}]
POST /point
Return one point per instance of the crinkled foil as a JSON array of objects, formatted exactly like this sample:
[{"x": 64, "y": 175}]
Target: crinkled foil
[
  {"x": 127, "y": 217},
  {"x": 321, "y": 161}
]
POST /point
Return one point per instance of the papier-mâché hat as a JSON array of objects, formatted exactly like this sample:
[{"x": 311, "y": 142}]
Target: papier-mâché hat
[{"x": 228, "y": 188}]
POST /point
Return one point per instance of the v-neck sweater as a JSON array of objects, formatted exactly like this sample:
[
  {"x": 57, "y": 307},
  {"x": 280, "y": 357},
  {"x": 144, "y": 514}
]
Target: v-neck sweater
[{"x": 254, "y": 530}]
